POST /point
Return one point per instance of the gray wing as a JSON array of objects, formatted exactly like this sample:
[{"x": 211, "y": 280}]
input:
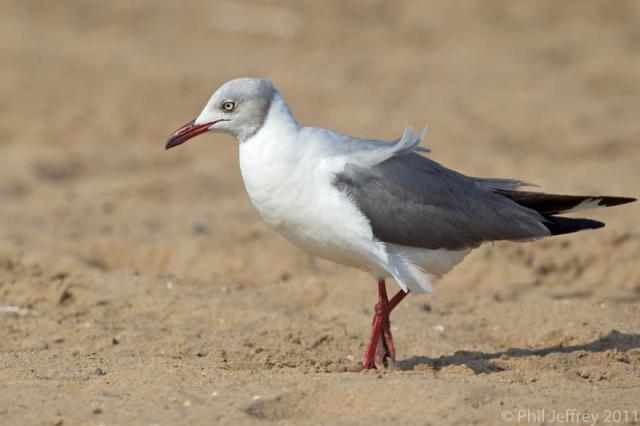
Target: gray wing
[{"x": 413, "y": 201}]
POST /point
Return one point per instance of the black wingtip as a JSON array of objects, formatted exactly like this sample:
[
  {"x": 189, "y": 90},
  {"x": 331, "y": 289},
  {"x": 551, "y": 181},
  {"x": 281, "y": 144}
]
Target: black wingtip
[
  {"x": 567, "y": 225},
  {"x": 615, "y": 201},
  {"x": 553, "y": 204}
]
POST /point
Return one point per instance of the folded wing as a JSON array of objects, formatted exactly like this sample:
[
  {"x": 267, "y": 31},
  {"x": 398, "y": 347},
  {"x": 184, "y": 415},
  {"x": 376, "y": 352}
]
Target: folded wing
[{"x": 413, "y": 201}]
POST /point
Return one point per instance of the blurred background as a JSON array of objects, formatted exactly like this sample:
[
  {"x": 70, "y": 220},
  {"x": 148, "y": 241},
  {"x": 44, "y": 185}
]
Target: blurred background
[{"x": 153, "y": 268}]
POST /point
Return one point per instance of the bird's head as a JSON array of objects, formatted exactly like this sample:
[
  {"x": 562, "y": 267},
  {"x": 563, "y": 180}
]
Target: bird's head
[{"x": 239, "y": 107}]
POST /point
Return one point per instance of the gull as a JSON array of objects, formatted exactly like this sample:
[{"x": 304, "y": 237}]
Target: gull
[{"x": 383, "y": 207}]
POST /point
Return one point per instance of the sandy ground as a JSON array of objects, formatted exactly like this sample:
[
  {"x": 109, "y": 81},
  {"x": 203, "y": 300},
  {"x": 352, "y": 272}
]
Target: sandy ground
[{"x": 138, "y": 286}]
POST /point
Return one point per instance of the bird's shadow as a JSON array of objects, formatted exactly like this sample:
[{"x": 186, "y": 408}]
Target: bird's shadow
[{"x": 481, "y": 362}]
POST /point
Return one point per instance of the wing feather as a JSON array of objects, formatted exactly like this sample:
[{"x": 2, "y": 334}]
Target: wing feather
[{"x": 413, "y": 201}]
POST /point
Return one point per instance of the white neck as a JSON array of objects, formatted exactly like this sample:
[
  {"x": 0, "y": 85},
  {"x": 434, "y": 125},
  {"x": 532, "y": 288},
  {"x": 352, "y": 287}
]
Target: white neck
[
  {"x": 268, "y": 157},
  {"x": 280, "y": 119}
]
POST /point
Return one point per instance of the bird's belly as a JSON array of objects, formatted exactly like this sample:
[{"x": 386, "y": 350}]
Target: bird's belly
[
  {"x": 315, "y": 227},
  {"x": 321, "y": 241},
  {"x": 314, "y": 215}
]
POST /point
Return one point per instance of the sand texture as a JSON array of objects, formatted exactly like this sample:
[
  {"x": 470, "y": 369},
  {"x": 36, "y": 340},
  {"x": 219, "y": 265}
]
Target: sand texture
[{"x": 139, "y": 286}]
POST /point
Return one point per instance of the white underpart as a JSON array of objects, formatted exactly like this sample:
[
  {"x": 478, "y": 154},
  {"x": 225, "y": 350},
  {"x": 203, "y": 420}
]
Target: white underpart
[
  {"x": 589, "y": 203},
  {"x": 289, "y": 178},
  {"x": 436, "y": 262}
]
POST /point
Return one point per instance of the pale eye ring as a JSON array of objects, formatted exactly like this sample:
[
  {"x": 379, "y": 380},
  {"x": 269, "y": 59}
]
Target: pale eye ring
[{"x": 228, "y": 106}]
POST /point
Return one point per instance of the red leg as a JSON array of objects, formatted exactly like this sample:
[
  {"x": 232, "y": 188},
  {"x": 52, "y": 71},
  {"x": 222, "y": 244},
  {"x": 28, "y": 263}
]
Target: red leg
[
  {"x": 368, "y": 359},
  {"x": 386, "y": 325},
  {"x": 381, "y": 344}
]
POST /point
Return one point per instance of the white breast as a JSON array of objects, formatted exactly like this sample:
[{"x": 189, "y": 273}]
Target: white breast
[{"x": 292, "y": 190}]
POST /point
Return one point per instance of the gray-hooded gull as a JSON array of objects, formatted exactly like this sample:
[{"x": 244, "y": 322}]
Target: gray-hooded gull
[{"x": 374, "y": 205}]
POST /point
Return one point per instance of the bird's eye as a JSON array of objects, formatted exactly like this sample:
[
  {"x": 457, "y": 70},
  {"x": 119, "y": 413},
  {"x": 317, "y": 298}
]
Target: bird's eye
[{"x": 228, "y": 106}]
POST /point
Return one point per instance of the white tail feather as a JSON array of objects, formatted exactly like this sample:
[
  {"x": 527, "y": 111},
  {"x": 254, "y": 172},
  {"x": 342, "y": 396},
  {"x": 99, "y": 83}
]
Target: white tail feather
[{"x": 408, "y": 275}]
